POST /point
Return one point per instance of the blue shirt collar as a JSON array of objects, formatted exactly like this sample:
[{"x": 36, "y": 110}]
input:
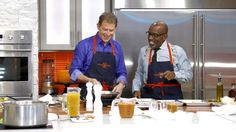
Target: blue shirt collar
[{"x": 100, "y": 42}]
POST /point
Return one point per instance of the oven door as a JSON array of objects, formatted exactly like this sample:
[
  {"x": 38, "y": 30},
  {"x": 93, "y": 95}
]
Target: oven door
[{"x": 15, "y": 73}]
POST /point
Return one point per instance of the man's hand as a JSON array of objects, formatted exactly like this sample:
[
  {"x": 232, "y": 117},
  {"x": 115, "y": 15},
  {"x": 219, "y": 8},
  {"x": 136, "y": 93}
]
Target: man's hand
[
  {"x": 118, "y": 89},
  {"x": 84, "y": 79},
  {"x": 137, "y": 94},
  {"x": 169, "y": 75},
  {"x": 93, "y": 81}
]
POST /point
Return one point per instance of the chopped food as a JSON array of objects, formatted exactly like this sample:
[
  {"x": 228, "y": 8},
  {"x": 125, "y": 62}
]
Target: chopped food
[
  {"x": 2, "y": 99},
  {"x": 88, "y": 117}
]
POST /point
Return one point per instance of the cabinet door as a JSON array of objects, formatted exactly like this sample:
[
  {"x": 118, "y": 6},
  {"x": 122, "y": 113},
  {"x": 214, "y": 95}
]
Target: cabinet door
[
  {"x": 218, "y": 29},
  {"x": 58, "y": 24},
  {"x": 131, "y": 34}
]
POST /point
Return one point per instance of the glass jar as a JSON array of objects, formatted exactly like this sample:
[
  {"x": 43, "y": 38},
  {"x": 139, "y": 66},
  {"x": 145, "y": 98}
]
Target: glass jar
[
  {"x": 232, "y": 91},
  {"x": 48, "y": 68},
  {"x": 48, "y": 76},
  {"x": 73, "y": 101}
]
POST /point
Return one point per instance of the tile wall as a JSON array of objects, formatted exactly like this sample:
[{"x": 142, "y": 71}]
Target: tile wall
[
  {"x": 61, "y": 61},
  {"x": 22, "y": 15}
]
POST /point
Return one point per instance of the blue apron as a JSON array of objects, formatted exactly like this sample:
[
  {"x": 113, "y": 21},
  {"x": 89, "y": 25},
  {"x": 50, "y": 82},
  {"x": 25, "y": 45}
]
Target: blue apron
[
  {"x": 161, "y": 88},
  {"x": 102, "y": 68}
]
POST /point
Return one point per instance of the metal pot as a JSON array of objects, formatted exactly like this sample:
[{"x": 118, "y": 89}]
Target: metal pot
[
  {"x": 107, "y": 97},
  {"x": 25, "y": 113}
]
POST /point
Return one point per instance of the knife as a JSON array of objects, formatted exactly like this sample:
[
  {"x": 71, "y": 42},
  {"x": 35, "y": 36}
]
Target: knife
[{"x": 183, "y": 103}]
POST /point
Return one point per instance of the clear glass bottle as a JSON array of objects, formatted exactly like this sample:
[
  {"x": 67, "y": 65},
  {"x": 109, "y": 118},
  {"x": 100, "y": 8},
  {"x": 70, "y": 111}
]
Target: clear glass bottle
[
  {"x": 219, "y": 89},
  {"x": 232, "y": 91}
]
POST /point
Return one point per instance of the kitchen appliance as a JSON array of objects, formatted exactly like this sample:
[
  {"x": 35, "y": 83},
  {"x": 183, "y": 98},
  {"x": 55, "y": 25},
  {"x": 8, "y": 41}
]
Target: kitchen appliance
[
  {"x": 25, "y": 113},
  {"x": 205, "y": 29},
  {"x": 48, "y": 75},
  {"x": 16, "y": 63},
  {"x": 48, "y": 85}
]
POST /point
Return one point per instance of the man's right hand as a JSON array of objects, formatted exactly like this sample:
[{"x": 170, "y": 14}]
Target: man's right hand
[
  {"x": 84, "y": 79},
  {"x": 93, "y": 81},
  {"x": 137, "y": 94}
]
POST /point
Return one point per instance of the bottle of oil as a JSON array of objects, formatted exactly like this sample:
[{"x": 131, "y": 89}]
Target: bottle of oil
[
  {"x": 232, "y": 91},
  {"x": 219, "y": 89}
]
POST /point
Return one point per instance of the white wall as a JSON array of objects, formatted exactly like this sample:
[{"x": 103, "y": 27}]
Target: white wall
[{"x": 22, "y": 15}]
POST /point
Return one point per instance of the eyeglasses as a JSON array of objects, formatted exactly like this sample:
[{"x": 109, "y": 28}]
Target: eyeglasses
[{"x": 154, "y": 34}]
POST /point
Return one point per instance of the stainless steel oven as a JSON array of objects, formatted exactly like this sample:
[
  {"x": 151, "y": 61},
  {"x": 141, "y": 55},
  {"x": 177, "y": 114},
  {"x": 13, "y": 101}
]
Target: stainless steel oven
[{"x": 16, "y": 63}]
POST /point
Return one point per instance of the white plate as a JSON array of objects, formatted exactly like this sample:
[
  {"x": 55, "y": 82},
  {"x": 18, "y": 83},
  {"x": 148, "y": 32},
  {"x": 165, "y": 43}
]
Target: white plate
[
  {"x": 82, "y": 119},
  {"x": 144, "y": 99},
  {"x": 143, "y": 102}
]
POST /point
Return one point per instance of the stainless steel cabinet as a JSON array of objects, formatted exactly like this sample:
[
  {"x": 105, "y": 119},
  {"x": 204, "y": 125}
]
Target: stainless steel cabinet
[{"x": 217, "y": 50}]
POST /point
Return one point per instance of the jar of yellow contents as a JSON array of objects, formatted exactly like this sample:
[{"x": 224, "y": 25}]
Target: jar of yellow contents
[
  {"x": 172, "y": 107},
  {"x": 73, "y": 101},
  {"x": 126, "y": 110}
]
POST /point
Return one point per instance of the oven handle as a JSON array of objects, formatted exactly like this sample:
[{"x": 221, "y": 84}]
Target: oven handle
[{"x": 17, "y": 50}]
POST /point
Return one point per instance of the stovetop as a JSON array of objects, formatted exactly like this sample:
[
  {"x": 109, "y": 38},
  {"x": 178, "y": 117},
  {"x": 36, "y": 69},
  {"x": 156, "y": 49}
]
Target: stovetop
[{"x": 2, "y": 127}]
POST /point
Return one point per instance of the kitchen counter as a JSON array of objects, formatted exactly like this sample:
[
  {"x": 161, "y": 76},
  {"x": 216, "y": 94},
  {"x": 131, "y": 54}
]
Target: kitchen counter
[
  {"x": 185, "y": 119},
  {"x": 143, "y": 123},
  {"x": 57, "y": 109}
]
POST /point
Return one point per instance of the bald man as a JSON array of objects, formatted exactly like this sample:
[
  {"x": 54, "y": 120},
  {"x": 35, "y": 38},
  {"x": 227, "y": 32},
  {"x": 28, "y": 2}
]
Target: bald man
[{"x": 162, "y": 67}]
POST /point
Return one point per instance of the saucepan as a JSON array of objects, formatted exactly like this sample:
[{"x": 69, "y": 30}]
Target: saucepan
[
  {"x": 107, "y": 97},
  {"x": 25, "y": 113}
]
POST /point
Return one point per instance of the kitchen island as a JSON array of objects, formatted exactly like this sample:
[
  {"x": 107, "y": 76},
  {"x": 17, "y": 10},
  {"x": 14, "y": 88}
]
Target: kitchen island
[{"x": 185, "y": 119}]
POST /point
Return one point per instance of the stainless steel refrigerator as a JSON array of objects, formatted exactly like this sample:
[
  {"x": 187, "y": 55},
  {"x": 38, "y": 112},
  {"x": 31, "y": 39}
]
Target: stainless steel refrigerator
[{"x": 206, "y": 31}]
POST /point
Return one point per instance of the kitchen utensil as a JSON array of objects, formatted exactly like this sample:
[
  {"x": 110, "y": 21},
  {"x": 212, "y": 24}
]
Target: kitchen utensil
[
  {"x": 193, "y": 103},
  {"x": 126, "y": 107},
  {"x": 109, "y": 95},
  {"x": 48, "y": 76},
  {"x": 25, "y": 113},
  {"x": 48, "y": 85}
]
